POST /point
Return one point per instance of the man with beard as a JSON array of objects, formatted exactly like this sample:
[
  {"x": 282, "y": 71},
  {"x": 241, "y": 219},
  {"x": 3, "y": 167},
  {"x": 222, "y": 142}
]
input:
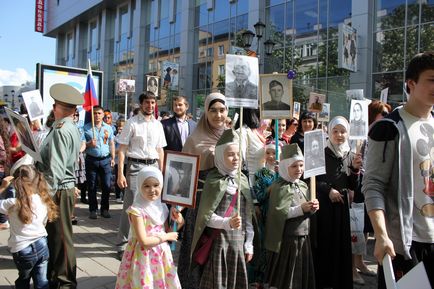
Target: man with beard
[
  {"x": 141, "y": 142},
  {"x": 178, "y": 127}
]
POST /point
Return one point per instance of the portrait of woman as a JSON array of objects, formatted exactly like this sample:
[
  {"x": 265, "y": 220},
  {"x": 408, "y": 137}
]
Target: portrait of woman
[{"x": 152, "y": 84}]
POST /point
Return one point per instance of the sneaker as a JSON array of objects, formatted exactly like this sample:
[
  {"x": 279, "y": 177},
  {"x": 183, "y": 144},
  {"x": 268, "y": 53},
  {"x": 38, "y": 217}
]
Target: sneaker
[
  {"x": 119, "y": 201},
  {"x": 105, "y": 214},
  {"x": 4, "y": 226},
  {"x": 93, "y": 215}
]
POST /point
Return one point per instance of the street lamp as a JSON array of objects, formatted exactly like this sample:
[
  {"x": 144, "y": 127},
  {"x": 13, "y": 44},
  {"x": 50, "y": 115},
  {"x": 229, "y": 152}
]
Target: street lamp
[
  {"x": 5, "y": 98},
  {"x": 13, "y": 98},
  {"x": 249, "y": 35}
]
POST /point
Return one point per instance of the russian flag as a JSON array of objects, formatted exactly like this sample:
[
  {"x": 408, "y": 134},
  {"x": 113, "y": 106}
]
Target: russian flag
[{"x": 90, "y": 97}]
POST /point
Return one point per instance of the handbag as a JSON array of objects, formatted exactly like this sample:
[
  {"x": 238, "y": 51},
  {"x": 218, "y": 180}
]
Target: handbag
[{"x": 201, "y": 254}]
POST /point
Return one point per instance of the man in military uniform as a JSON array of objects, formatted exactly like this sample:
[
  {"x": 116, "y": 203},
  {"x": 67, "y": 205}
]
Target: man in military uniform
[{"x": 59, "y": 152}]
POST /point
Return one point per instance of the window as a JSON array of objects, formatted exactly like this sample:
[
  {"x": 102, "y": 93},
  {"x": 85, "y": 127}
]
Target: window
[
  {"x": 222, "y": 69},
  {"x": 221, "y": 50},
  {"x": 210, "y": 51}
]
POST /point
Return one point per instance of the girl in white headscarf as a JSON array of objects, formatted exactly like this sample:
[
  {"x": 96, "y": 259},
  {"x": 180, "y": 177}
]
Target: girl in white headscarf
[
  {"x": 334, "y": 256},
  {"x": 147, "y": 258}
]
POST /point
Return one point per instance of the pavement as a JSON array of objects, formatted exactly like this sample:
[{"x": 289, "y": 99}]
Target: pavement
[{"x": 97, "y": 264}]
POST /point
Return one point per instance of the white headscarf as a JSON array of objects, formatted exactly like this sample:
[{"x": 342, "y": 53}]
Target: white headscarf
[
  {"x": 340, "y": 150},
  {"x": 156, "y": 210},
  {"x": 219, "y": 159},
  {"x": 283, "y": 167}
]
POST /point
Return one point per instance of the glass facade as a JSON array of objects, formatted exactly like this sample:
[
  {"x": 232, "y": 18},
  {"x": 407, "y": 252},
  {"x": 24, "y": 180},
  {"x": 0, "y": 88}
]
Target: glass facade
[{"x": 192, "y": 38}]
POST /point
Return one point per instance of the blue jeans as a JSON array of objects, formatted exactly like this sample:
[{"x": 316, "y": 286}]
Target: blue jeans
[
  {"x": 32, "y": 263},
  {"x": 98, "y": 168}
]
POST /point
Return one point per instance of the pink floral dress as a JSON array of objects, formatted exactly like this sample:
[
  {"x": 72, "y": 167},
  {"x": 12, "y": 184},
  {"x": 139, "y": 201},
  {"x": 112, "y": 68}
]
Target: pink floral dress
[{"x": 147, "y": 267}]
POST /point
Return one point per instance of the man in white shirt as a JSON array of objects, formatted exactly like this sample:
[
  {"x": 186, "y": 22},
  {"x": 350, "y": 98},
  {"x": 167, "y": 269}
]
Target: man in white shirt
[{"x": 141, "y": 142}]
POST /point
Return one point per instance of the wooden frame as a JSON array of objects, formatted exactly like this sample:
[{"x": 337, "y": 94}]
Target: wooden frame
[
  {"x": 181, "y": 173},
  {"x": 270, "y": 110}
]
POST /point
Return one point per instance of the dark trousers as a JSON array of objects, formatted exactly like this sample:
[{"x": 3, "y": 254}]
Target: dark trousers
[
  {"x": 98, "y": 168},
  {"x": 32, "y": 263},
  {"x": 420, "y": 252},
  {"x": 62, "y": 265}
]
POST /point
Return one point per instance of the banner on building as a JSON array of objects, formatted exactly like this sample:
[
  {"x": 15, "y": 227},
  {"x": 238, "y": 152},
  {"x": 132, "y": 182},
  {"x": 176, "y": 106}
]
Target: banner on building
[
  {"x": 347, "y": 47},
  {"x": 39, "y": 16},
  {"x": 169, "y": 75}
]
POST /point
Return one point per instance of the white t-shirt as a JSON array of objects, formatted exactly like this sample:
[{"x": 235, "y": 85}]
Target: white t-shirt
[
  {"x": 22, "y": 235},
  {"x": 142, "y": 137},
  {"x": 421, "y": 133}
]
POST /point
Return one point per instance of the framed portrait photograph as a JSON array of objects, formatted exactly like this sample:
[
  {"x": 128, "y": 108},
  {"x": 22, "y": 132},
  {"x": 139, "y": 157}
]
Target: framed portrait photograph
[
  {"x": 24, "y": 133},
  {"x": 347, "y": 47},
  {"x": 241, "y": 82},
  {"x": 314, "y": 156},
  {"x": 181, "y": 172},
  {"x": 126, "y": 85},
  {"x": 359, "y": 119},
  {"x": 276, "y": 96},
  {"x": 33, "y": 102},
  {"x": 152, "y": 84},
  {"x": 315, "y": 102},
  {"x": 296, "y": 110},
  {"x": 324, "y": 115}
]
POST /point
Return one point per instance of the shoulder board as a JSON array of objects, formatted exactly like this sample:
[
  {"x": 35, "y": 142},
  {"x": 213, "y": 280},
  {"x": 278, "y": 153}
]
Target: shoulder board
[
  {"x": 60, "y": 124},
  {"x": 384, "y": 130}
]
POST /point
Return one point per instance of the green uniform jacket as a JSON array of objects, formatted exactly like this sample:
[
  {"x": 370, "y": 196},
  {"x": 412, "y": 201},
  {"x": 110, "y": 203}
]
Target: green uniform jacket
[
  {"x": 59, "y": 153},
  {"x": 281, "y": 196},
  {"x": 212, "y": 194}
]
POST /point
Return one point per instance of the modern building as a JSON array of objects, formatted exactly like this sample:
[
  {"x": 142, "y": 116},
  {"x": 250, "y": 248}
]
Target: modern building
[{"x": 135, "y": 38}]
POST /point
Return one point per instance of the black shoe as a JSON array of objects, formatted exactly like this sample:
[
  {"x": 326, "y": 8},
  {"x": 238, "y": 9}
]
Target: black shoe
[
  {"x": 105, "y": 214},
  {"x": 84, "y": 201},
  {"x": 74, "y": 220},
  {"x": 93, "y": 215}
]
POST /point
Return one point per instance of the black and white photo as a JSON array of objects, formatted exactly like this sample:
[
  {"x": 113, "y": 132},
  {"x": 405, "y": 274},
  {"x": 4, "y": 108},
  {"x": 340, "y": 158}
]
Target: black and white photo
[
  {"x": 241, "y": 84},
  {"x": 152, "y": 84},
  {"x": 315, "y": 102},
  {"x": 359, "y": 119},
  {"x": 296, "y": 110},
  {"x": 180, "y": 178},
  {"x": 35, "y": 106},
  {"x": 276, "y": 95},
  {"x": 314, "y": 158},
  {"x": 324, "y": 115}
]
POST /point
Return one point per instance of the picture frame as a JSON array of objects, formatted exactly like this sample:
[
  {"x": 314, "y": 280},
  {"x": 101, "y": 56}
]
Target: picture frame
[
  {"x": 181, "y": 173},
  {"x": 126, "y": 86},
  {"x": 153, "y": 84},
  {"x": 24, "y": 133},
  {"x": 296, "y": 110},
  {"x": 359, "y": 114},
  {"x": 241, "y": 81},
  {"x": 34, "y": 105},
  {"x": 324, "y": 115},
  {"x": 315, "y": 102},
  {"x": 314, "y": 154},
  {"x": 276, "y": 96}
]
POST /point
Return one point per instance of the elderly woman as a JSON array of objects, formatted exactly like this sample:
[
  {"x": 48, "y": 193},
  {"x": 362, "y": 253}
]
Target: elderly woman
[
  {"x": 333, "y": 253},
  {"x": 201, "y": 142}
]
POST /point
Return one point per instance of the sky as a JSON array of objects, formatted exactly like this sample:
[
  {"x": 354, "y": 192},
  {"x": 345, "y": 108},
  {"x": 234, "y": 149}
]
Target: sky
[{"x": 20, "y": 46}]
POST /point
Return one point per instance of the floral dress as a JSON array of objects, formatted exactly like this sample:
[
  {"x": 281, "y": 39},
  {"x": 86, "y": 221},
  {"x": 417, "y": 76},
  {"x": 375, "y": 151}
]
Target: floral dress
[{"x": 147, "y": 267}]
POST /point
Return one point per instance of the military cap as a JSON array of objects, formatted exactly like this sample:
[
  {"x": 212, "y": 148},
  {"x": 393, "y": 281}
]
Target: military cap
[
  {"x": 66, "y": 94},
  {"x": 228, "y": 136},
  {"x": 291, "y": 152}
]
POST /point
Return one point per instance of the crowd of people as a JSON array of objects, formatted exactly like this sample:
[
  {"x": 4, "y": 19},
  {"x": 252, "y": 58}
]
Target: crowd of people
[{"x": 263, "y": 227}]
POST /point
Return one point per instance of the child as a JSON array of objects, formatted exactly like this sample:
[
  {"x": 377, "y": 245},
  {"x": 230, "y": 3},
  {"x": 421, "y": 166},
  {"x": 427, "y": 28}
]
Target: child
[
  {"x": 28, "y": 215},
  {"x": 290, "y": 263},
  {"x": 232, "y": 244},
  {"x": 147, "y": 261}
]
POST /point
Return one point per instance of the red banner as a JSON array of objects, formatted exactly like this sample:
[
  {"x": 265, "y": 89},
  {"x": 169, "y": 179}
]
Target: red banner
[{"x": 39, "y": 16}]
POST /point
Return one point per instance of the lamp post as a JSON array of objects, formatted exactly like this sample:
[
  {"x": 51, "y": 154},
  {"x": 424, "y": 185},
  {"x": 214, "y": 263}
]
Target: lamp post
[
  {"x": 13, "y": 99},
  {"x": 248, "y": 39},
  {"x": 5, "y": 99}
]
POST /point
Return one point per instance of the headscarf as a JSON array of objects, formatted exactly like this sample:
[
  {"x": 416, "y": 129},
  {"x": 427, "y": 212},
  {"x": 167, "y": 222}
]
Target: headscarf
[
  {"x": 204, "y": 138},
  {"x": 227, "y": 139},
  {"x": 295, "y": 154},
  {"x": 342, "y": 149},
  {"x": 156, "y": 210},
  {"x": 272, "y": 145}
]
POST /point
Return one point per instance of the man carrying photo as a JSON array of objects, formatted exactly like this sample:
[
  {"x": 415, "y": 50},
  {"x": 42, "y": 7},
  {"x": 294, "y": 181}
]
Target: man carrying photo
[
  {"x": 241, "y": 87},
  {"x": 275, "y": 89},
  {"x": 59, "y": 152}
]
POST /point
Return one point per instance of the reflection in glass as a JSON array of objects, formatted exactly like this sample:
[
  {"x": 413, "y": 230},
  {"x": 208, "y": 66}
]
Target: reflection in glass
[
  {"x": 389, "y": 50},
  {"x": 427, "y": 37},
  {"x": 390, "y": 14},
  {"x": 394, "y": 81},
  {"x": 427, "y": 11}
]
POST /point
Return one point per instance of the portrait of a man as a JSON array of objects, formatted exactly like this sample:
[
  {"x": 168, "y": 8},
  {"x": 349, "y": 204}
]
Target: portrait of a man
[
  {"x": 314, "y": 153},
  {"x": 357, "y": 123},
  {"x": 276, "y": 93},
  {"x": 241, "y": 86},
  {"x": 33, "y": 101}
]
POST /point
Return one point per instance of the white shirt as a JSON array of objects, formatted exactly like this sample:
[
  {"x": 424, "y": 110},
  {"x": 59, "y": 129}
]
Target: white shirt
[
  {"x": 142, "y": 137},
  {"x": 22, "y": 235}
]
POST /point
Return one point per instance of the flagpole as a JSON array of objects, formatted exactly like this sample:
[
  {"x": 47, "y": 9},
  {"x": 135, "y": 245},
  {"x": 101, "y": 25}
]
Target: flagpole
[
  {"x": 91, "y": 104},
  {"x": 126, "y": 105}
]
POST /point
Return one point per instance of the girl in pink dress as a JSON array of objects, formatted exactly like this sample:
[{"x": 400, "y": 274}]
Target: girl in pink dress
[{"x": 147, "y": 261}]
